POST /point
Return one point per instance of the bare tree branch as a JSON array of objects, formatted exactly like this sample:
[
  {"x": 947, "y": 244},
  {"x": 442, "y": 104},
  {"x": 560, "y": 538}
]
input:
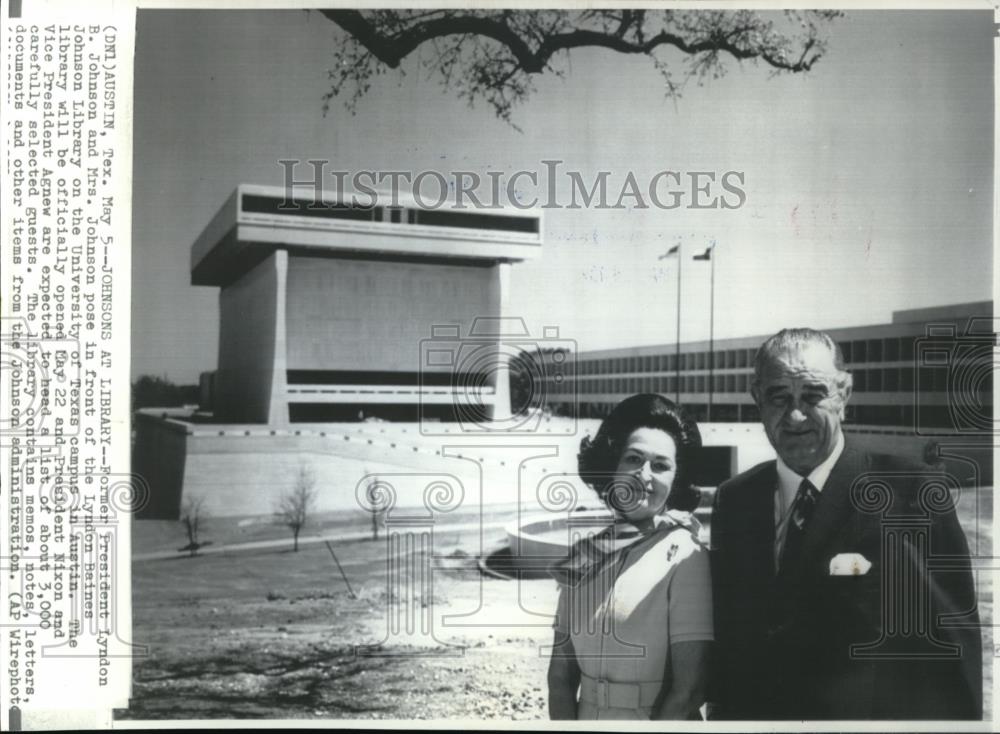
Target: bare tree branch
[
  {"x": 192, "y": 518},
  {"x": 491, "y": 55}
]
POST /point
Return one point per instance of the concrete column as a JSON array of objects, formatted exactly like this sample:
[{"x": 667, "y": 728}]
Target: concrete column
[
  {"x": 501, "y": 410},
  {"x": 251, "y": 366},
  {"x": 277, "y": 414}
]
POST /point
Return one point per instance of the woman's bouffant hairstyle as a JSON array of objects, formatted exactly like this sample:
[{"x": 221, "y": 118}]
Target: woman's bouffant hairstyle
[{"x": 598, "y": 459}]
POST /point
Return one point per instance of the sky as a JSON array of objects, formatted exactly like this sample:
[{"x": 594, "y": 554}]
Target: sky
[{"x": 868, "y": 180}]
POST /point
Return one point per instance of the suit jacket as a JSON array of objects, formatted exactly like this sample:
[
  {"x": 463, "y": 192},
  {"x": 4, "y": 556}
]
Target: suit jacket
[{"x": 899, "y": 642}]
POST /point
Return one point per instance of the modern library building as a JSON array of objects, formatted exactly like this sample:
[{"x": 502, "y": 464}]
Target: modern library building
[{"x": 928, "y": 370}]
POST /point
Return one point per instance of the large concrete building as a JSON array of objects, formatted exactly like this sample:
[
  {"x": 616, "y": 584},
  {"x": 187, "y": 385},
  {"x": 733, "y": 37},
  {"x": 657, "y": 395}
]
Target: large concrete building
[
  {"x": 923, "y": 387},
  {"x": 331, "y": 314},
  {"x": 329, "y": 310},
  {"x": 921, "y": 382},
  {"x": 928, "y": 370}
]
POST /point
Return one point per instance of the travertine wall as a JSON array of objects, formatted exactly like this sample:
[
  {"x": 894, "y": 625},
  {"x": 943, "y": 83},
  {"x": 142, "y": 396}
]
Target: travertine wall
[
  {"x": 159, "y": 458},
  {"x": 365, "y": 315},
  {"x": 251, "y": 374}
]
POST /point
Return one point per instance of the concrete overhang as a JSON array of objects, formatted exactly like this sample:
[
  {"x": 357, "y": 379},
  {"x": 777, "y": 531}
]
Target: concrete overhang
[{"x": 256, "y": 220}]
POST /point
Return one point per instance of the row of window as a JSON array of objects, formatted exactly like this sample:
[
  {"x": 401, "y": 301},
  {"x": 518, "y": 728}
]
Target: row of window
[
  {"x": 889, "y": 379},
  {"x": 662, "y": 384},
  {"x": 723, "y": 413},
  {"x": 890, "y": 349},
  {"x": 733, "y": 358},
  {"x": 869, "y": 415}
]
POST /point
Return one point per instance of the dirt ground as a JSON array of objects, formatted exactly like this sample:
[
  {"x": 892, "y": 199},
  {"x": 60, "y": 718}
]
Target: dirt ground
[
  {"x": 275, "y": 634},
  {"x": 266, "y": 633}
]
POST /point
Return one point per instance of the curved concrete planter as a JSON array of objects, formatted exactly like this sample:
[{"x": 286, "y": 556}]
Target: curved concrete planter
[{"x": 543, "y": 539}]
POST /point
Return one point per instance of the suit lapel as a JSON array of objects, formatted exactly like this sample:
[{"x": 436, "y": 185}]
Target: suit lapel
[
  {"x": 758, "y": 520},
  {"x": 832, "y": 511}
]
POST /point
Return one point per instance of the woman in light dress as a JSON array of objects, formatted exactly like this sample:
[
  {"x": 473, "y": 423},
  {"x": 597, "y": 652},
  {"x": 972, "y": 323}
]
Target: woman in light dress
[{"x": 633, "y": 628}]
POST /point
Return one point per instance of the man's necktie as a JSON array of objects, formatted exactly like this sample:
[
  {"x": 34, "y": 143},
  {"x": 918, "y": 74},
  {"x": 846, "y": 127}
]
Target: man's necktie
[{"x": 802, "y": 509}]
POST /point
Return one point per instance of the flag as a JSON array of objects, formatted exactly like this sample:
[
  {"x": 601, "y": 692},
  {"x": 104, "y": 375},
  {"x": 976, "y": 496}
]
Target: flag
[
  {"x": 706, "y": 255},
  {"x": 672, "y": 251}
]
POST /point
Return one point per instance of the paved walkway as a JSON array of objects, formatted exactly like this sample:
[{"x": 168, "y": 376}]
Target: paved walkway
[
  {"x": 304, "y": 540},
  {"x": 702, "y": 514}
]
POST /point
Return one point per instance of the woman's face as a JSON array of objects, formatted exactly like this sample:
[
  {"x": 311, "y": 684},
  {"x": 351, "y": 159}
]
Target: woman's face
[{"x": 645, "y": 474}]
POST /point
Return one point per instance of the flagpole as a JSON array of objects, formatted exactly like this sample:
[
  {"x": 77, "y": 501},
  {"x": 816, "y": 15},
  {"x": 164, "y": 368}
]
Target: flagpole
[
  {"x": 709, "y": 254},
  {"x": 711, "y": 335},
  {"x": 676, "y": 250},
  {"x": 677, "y": 346}
]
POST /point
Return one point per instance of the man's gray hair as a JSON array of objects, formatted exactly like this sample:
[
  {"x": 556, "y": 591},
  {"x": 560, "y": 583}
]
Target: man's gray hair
[{"x": 793, "y": 340}]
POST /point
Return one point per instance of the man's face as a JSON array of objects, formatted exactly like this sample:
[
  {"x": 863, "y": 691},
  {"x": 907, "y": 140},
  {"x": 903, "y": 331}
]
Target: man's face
[{"x": 801, "y": 406}]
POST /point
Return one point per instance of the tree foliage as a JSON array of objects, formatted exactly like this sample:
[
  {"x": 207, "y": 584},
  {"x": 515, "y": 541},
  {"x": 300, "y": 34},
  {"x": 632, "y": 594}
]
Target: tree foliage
[
  {"x": 295, "y": 505},
  {"x": 527, "y": 372},
  {"x": 158, "y": 392},
  {"x": 494, "y": 55}
]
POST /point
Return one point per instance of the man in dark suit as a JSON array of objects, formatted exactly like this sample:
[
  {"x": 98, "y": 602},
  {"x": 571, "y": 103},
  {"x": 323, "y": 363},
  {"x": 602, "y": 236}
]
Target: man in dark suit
[{"x": 842, "y": 582}]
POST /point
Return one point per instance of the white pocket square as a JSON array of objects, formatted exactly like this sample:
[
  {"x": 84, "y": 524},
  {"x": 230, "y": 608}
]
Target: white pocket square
[{"x": 849, "y": 564}]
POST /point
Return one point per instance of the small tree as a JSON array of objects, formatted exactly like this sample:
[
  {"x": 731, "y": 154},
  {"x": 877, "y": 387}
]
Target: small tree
[
  {"x": 192, "y": 515},
  {"x": 296, "y": 504},
  {"x": 150, "y": 391},
  {"x": 371, "y": 491},
  {"x": 527, "y": 373}
]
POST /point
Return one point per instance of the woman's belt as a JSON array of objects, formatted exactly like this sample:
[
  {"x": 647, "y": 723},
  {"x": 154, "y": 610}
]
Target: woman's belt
[{"x": 608, "y": 694}]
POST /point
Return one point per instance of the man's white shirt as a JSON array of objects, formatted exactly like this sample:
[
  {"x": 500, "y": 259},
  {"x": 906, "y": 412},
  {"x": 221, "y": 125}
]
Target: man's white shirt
[{"x": 788, "y": 487}]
